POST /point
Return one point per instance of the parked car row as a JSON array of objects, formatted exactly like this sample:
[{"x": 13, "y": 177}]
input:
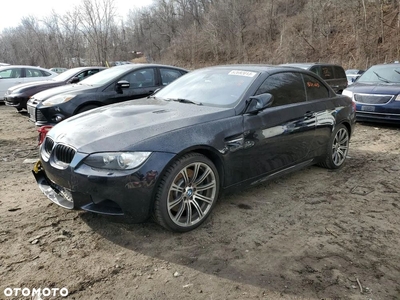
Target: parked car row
[
  {"x": 113, "y": 85},
  {"x": 18, "y": 95},
  {"x": 13, "y": 75},
  {"x": 150, "y": 140}
]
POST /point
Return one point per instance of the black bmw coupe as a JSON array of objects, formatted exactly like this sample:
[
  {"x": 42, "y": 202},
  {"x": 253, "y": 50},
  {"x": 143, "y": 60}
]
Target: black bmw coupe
[{"x": 215, "y": 129}]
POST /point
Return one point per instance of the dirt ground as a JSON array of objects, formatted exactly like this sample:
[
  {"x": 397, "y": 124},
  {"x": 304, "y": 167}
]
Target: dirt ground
[{"x": 315, "y": 234}]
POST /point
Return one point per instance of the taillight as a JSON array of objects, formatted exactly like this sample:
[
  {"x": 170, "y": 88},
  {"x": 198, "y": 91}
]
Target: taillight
[{"x": 353, "y": 104}]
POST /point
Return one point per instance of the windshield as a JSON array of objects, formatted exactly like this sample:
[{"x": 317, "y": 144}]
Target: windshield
[
  {"x": 381, "y": 74},
  {"x": 211, "y": 86},
  {"x": 104, "y": 76}
]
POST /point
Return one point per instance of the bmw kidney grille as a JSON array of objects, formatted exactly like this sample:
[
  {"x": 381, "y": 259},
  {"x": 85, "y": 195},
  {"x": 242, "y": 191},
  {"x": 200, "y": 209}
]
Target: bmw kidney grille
[
  {"x": 64, "y": 153},
  {"x": 60, "y": 152}
]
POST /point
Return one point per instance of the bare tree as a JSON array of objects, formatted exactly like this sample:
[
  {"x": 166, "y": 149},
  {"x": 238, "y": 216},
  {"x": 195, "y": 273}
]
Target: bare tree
[{"x": 97, "y": 19}]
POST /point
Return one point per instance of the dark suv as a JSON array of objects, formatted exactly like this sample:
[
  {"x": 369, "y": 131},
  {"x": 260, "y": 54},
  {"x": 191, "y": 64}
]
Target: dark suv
[{"x": 334, "y": 75}]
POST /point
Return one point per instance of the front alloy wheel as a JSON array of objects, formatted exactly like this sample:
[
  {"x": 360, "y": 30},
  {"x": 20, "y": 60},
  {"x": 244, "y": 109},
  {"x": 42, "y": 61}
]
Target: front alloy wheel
[{"x": 187, "y": 193}]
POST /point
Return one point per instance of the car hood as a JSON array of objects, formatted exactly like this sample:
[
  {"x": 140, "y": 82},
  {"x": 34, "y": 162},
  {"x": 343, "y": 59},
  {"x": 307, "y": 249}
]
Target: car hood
[
  {"x": 22, "y": 86},
  {"x": 70, "y": 89},
  {"x": 119, "y": 127},
  {"x": 380, "y": 88}
]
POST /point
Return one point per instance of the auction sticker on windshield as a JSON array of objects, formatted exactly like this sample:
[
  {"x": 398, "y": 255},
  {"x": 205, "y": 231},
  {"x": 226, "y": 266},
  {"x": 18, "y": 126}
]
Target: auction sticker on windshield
[{"x": 242, "y": 73}]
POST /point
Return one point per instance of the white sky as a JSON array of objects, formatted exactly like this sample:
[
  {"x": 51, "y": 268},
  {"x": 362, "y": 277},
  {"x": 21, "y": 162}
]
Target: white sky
[{"x": 15, "y": 10}]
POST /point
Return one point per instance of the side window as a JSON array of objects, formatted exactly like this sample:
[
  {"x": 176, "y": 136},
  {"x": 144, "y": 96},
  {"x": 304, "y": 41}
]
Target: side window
[
  {"x": 82, "y": 75},
  {"x": 87, "y": 73},
  {"x": 92, "y": 72},
  {"x": 141, "y": 78},
  {"x": 316, "y": 70},
  {"x": 11, "y": 73},
  {"x": 315, "y": 89},
  {"x": 327, "y": 72},
  {"x": 45, "y": 74},
  {"x": 168, "y": 75},
  {"x": 33, "y": 73},
  {"x": 339, "y": 72},
  {"x": 287, "y": 88},
  {"x": 5, "y": 74}
]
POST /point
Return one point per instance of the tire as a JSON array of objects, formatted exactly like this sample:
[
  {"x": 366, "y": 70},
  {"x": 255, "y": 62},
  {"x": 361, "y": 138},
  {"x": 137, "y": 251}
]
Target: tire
[
  {"x": 338, "y": 148},
  {"x": 86, "y": 108},
  {"x": 187, "y": 193}
]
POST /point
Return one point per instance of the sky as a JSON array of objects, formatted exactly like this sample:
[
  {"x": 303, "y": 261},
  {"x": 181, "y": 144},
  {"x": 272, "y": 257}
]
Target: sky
[{"x": 15, "y": 10}]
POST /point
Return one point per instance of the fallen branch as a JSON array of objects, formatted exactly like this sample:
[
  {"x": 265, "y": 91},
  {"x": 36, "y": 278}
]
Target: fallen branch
[
  {"x": 359, "y": 285},
  {"x": 331, "y": 232},
  {"x": 23, "y": 260}
]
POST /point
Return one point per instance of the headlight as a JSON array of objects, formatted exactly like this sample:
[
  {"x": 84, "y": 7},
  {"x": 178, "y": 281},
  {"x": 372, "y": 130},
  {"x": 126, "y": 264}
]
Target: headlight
[
  {"x": 58, "y": 99},
  {"x": 116, "y": 160},
  {"x": 347, "y": 93},
  {"x": 397, "y": 98}
]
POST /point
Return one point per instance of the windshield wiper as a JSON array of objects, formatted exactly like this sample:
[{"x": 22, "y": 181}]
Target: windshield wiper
[
  {"x": 381, "y": 78},
  {"x": 184, "y": 101}
]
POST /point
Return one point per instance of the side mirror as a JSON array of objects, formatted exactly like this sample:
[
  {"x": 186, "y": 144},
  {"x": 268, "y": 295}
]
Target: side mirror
[
  {"x": 259, "y": 102},
  {"x": 74, "y": 80},
  {"x": 122, "y": 84}
]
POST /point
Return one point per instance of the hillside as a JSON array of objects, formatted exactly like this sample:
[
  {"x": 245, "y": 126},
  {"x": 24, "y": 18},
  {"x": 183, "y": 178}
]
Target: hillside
[{"x": 194, "y": 33}]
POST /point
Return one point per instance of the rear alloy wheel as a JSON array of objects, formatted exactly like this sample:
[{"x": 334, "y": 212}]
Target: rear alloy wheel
[
  {"x": 338, "y": 148},
  {"x": 187, "y": 193}
]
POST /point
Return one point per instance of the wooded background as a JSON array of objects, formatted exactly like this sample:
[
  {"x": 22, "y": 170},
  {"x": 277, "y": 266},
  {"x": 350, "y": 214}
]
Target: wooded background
[{"x": 195, "y": 33}]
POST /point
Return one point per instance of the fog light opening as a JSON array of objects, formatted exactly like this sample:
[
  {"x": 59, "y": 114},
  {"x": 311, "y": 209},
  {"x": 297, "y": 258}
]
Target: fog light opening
[{"x": 59, "y": 118}]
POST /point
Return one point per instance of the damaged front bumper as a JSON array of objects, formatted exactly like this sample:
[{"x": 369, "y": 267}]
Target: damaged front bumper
[{"x": 68, "y": 199}]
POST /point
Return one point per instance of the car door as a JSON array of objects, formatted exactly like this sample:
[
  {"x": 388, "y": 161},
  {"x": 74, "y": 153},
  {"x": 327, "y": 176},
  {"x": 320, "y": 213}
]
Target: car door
[
  {"x": 142, "y": 82},
  {"x": 340, "y": 79},
  {"x": 8, "y": 78},
  {"x": 279, "y": 136},
  {"x": 322, "y": 105},
  {"x": 31, "y": 75}
]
